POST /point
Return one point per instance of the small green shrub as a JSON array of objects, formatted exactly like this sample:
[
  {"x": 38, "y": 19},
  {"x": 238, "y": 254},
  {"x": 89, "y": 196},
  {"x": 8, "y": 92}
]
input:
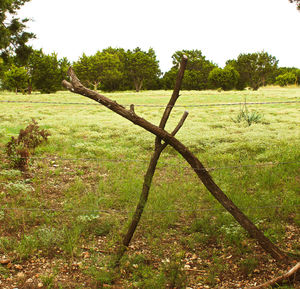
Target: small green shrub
[
  {"x": 20, "y": 149},
  {"x": 48, "y": 238},
  {"x": 286, "y": 79},
  {"x": 248, "y": 117},
  {"x": 6, "y": 244},
  {"x": 175, "y": 276},
  {"x": 100, "y": 276},
  {"x": 17, "y": 187},
  {"x": 71, "y": 240},
  {"x": 26, "y": 247},
  {"x": 48, "y": 281},
  {"x": 248, "y": 265},
  {"x": 10, "y": 174}
]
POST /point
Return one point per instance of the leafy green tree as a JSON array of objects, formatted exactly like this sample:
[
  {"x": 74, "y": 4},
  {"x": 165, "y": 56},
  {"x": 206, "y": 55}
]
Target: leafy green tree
[
  {"x": 285, "y": 70},
  {"x": 102, "y": 68},
  {"x": 124, "y": 82},
  {"x": 47, "y": 71},
  {"x": 194, "y": 80},
  {"x": 286, "y": 79},
  {"x": 196, "y": 60},
  {"x": 2, "y": 69},
  {"x": 16, "y": 78},
  {"x": 169, "y": 78},
  {"x": 141, "y": 66},
  {"x": 254, "y": 69},
  {"x": 196, "y": 74},
  {"x": 13, "y": 34},
  {"x": 226, "y": 78}
]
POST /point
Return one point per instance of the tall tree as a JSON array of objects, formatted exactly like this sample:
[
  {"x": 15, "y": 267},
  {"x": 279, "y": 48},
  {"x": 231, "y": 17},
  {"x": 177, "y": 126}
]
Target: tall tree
[
  {"x": 141, "y": 66},
  {"x": 197, "y": 71},
  {"x": 13, "y": 34},
  {"x": 47, "y": 71},
  {"x": 101, "y": 68},
  {"x": 226, "y": 78},
  {"x": 254, "y": 68},
  {"x": 16, "y": 78}
]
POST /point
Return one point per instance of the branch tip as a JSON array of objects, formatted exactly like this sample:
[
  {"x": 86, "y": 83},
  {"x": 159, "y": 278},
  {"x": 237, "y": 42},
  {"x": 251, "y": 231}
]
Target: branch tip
[{"x": 132, "y": 108}]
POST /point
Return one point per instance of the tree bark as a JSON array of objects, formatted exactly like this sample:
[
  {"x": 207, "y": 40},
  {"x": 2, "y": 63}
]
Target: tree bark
[
  {"x": 76, "y": 87},
  {"x": 138, "y": 83}
]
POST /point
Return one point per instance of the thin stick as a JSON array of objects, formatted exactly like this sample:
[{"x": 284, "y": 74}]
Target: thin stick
[{"x": 279, "y": 280}]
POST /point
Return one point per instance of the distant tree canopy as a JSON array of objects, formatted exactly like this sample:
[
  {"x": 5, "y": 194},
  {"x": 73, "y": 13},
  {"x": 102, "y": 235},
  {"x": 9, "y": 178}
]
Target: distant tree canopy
[
  {"x": 254, "y": 69},
  {"x": 286, "y": 79},
  {"x": 13, "y": 37},
  {"x": 47, "y": 71},
  {"x": 103, "y": 67},
  {"x": 226, "y": 78},
  {"x": 16, "y": 78},
  {"x": 297, "y": 2},
  {"x": 114, "y": 69},
  {"x": 141, "y": 66},
  {"x": 285, "y": 70},
  {"x": 196, "y": 74}
]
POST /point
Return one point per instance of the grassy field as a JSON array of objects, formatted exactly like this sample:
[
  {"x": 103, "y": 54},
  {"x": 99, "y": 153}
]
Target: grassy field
[{"x": 61, "y": 220}]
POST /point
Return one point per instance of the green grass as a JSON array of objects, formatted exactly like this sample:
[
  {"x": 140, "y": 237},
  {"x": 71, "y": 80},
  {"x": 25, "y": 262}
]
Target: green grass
[{"x": 70, "y": 204}]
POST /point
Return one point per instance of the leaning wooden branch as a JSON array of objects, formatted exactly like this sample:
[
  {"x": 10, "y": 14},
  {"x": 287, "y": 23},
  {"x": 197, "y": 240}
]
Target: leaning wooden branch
[
  {"x": 76, "y": 87},
  {"x": 144, "y": 195},
  {"x": 290, "y": 276},
  {"x": 158, "y": 148}
]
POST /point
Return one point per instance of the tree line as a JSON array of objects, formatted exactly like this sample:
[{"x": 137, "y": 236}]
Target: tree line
[
  {"x": 24, "y": 69},
  {"x": 115, "y": 69}
]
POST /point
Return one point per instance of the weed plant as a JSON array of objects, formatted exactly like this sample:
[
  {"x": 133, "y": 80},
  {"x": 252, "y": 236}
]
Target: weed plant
[
  {"x": 20, "y": 149},
  {"x": 247, "y": 116}
]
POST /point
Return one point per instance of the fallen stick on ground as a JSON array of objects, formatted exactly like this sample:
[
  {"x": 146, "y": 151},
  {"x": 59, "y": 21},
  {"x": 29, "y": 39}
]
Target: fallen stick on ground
[{"x": 291, "y": 275}]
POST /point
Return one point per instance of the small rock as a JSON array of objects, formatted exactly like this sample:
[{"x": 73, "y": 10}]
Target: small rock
[
  {"x": 194, "y": 257},
  {"x": 4, "y": 261},
  {"x": 40, "y": 285},
  {"x": 29, "y": 280},
  {"x": 86, "y": 255},
  {"x": 20, "y": 275},
  {"x": 18, "y": 267}
]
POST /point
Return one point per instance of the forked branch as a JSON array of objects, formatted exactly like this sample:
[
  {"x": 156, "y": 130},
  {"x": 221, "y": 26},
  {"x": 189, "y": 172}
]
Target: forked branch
[
  {"x": 158, "y": 148},
  {"x": 76, "y": 87}
]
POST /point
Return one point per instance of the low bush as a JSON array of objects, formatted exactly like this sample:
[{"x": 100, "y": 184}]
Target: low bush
[{"x": 20, "y": 149}]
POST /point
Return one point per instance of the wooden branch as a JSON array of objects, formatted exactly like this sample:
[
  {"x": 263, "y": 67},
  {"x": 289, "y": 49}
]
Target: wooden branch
[
  {"x": 290, "y": 275},
  {"x": 177, "y": 128},
  {"x": 174, "y": 96},
  {"x": 132, "y": 108},
  {"x": 158, "y": 148},
  {"x": 194, "y": 162},
  {"x": 180, "y": 124}
]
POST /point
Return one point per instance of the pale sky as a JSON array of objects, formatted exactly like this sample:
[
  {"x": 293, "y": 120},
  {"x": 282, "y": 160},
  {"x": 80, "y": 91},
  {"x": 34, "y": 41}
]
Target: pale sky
[{"x": 221, "y": 29}]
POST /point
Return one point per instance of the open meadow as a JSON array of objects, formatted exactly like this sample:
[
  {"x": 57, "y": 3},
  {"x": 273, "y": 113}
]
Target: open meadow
[{"x": 60, "y": 221}]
